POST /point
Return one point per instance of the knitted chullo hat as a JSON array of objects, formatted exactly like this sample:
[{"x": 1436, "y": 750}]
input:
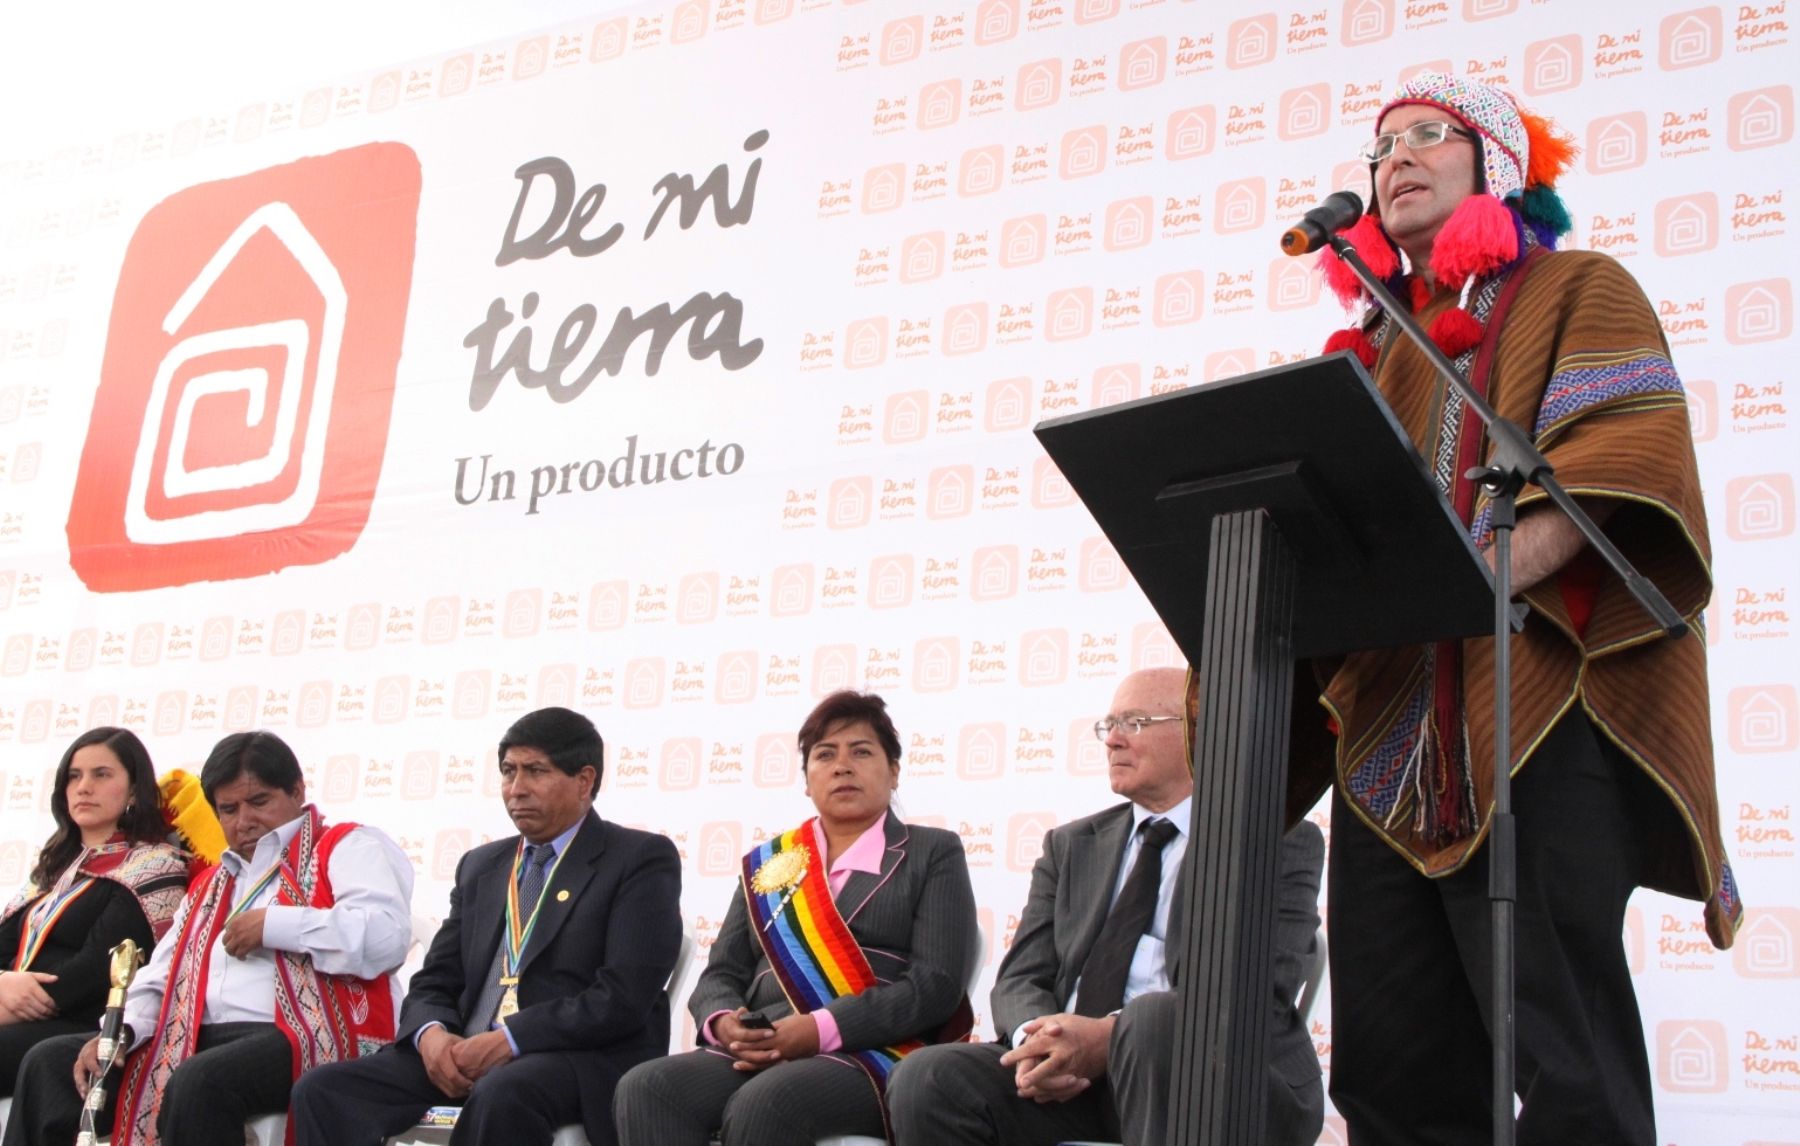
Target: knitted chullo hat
[{"x": 1522, "y": 155}]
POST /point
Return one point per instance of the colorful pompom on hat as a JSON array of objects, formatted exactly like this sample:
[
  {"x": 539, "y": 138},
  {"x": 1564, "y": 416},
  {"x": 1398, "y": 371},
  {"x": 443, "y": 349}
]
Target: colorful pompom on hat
[{"x": 1522, "y": 156}]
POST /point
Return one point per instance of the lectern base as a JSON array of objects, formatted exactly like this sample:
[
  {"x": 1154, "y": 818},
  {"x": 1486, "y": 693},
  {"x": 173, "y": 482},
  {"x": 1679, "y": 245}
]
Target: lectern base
[{"x": 1240, "y": 773}]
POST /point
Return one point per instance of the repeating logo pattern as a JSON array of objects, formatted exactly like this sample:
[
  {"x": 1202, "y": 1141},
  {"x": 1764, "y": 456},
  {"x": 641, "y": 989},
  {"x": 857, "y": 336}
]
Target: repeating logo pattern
[{"x": 982, "y": 216}]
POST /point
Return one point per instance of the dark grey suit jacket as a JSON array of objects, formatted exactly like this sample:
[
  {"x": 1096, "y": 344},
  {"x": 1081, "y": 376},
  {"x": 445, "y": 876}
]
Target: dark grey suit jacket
[
  {"x": 1071, "y": 890},
  {"x": 915, "y": 921},
  {"x": 591, "y": 981}
]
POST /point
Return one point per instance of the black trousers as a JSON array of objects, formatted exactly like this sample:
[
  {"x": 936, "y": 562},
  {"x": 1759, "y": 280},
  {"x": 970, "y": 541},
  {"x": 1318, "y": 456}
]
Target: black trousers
[
  {"x": 18, "y": 1038},
  {"x": 959, "y": 1092},
  {"x": 237, "y": 1072},
  {"x": 364, "y": 1101},
  {"x": 687, "y": 1099},
  {"x": 1411, "y": 968}
]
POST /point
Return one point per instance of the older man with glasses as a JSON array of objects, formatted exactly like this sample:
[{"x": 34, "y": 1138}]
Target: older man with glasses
[{"x": 1084, "y": 1002}]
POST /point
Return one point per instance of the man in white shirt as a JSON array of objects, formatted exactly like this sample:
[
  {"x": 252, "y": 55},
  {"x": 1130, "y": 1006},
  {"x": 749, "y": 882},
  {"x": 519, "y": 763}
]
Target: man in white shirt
[
  {"x": 1083, "y": 1001},
  {"x": 279, "y": 959}
]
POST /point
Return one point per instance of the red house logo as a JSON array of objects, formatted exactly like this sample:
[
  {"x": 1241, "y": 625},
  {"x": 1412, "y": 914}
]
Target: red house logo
[{"x": 248, "y": 379}]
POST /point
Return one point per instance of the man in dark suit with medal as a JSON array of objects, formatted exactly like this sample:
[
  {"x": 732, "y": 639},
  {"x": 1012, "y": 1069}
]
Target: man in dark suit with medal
[{"x": 545, "y": 983}]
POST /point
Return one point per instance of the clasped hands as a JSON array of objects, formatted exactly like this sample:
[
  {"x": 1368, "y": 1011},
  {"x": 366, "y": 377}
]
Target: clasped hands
[
  {"x": 454, "y": 1063},
  {"x": 23, "y": 998},
  {"x": 793, "y": 1037},
  {"x": 1060, "y": 1056}
]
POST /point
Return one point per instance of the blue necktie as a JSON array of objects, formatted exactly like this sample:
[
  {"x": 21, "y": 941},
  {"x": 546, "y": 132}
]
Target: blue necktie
[
  {"x": 531, "y": 889},
  {"x": 531, "y": 880}
]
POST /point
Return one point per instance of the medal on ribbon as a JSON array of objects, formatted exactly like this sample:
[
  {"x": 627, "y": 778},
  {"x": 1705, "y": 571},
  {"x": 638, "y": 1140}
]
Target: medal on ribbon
[
  {"x": 781, "y": 872},
  {"x": 509, "y": 999},
  {"x": 518, "y": 932}
]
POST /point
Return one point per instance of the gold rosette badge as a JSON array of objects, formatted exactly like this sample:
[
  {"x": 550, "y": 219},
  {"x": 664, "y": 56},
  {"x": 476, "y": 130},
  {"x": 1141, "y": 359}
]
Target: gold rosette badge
[{"x": 782, "y": 871}]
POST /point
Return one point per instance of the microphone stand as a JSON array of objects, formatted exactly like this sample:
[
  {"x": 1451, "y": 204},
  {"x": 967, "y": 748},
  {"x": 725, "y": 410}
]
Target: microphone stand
[
  {"x": 1514, "y": 462},
  {"x": 126, "y": 958}
]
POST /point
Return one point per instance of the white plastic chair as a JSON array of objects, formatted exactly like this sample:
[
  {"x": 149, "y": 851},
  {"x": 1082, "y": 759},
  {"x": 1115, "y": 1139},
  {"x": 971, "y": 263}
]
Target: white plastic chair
[
  {"x": 435, "y": 1126},
  {"x": 5, "y": 1109},
  {"x": 424, "y": 927},
  {"x": 681, "y": 979},
  {"x": 1315, "y": 975}
]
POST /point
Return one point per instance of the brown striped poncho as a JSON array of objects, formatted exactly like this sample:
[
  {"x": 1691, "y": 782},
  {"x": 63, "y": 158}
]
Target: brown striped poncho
[{"x": 1580, "y": 358}]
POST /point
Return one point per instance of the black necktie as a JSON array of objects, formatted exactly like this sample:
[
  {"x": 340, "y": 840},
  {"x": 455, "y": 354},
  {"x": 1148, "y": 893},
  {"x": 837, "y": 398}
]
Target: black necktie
[{"x": 1103, "y": 975}]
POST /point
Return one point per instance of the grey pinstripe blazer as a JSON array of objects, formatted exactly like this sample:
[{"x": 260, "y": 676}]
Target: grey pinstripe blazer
[
  {"x": 915, "y": 921},
  {"x": 1071, "y": 890}
]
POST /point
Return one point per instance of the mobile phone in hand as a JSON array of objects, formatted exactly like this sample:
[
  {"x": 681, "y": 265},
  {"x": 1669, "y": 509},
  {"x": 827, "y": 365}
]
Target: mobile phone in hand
[{"x": 756, "y": 1021}]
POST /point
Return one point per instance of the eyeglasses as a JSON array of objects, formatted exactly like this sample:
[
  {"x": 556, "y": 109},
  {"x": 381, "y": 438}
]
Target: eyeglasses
[
  {"x": 1418, "y": 137},
  {"x": 1133, "y": 724}
]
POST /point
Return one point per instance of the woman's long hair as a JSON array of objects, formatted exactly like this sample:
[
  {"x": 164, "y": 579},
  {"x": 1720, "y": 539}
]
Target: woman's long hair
[{"x": 142, "y": 821}]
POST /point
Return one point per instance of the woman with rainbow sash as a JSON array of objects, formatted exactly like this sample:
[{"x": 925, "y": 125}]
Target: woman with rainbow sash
[
  {"x": 105, "y": 875},
  {"x": 849, "y": 943}
]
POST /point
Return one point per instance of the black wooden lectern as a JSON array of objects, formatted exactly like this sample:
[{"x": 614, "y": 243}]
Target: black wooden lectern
[{"x": 1276, "y": 515}]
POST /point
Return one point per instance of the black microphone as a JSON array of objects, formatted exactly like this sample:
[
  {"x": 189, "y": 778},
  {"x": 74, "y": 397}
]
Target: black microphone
[{"x": 1314, "y": 230}]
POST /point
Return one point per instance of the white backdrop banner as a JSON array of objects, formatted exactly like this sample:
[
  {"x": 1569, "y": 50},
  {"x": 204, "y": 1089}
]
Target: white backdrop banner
[{"x": 680, "y": 367}]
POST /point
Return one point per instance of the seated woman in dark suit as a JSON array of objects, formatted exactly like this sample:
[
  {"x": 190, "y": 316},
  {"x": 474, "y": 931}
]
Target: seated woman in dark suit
[
  {"x": 105, "y": 875},
  {"x": 850, "y": 936}
]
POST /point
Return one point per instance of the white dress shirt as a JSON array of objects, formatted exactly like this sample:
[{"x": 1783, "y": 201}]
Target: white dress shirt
[
  {"x": 364, "y": 934},
  {"x": 1149, "y": 969}
]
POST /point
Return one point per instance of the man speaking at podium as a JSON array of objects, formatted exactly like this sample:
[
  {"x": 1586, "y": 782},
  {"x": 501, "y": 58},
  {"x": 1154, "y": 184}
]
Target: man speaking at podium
[{"x": 1611, "y": 743}]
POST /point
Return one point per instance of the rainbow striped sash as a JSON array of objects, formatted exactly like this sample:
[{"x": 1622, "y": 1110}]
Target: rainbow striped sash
[
  {"x": 42, "y": 918},
  {"x": 808, "y": 944}
]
